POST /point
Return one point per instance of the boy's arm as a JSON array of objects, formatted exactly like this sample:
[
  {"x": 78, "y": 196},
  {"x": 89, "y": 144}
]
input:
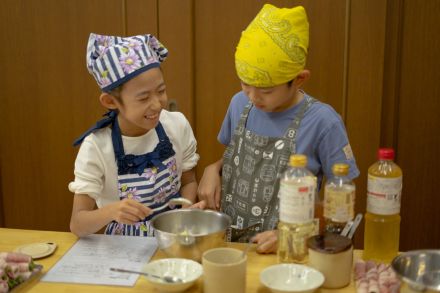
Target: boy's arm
[
  {"x": 188, "y": 188},
  {"x": 87, "y": 220},
  {"x": 210, "y": 185}
]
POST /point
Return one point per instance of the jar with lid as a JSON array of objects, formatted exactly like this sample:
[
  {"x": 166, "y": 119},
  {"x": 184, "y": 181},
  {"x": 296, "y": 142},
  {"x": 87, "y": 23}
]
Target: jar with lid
[{"x": 332, "y": 255}]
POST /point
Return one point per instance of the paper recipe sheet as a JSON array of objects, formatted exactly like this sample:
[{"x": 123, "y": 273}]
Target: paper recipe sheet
[{"x": 89, "y": 260}]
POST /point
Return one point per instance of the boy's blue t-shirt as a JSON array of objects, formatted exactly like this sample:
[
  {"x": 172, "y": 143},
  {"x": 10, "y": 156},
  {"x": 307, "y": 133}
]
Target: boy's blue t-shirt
[{"x": 321, "y": 136}]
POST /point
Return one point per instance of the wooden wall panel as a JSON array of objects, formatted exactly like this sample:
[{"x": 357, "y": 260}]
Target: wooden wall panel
[
  {"x": 364, "y": 89},
  {"x": 48, "y": 99},
  {"x": 140, "y": 17},
  {"x": 176, "y": 31},
  {"x": 419, "y": 124}
]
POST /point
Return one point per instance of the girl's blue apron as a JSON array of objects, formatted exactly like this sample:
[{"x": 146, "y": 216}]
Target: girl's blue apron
[{"x": 150, "y": 179}]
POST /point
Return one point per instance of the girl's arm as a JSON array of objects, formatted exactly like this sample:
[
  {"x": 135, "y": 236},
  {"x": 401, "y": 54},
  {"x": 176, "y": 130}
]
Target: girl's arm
[
  {"x": 188, "y": 187},
  {"x": 87, "y": 220}
]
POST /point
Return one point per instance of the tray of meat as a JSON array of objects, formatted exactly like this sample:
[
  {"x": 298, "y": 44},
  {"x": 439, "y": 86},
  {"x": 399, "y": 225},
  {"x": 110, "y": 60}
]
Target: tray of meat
[
  {"x": 16, "y": 269},
  {"x": 372, "y": 277}
]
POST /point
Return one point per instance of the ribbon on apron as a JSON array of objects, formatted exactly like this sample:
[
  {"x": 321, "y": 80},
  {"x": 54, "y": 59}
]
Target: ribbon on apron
[{"x": 252, "y": 165}]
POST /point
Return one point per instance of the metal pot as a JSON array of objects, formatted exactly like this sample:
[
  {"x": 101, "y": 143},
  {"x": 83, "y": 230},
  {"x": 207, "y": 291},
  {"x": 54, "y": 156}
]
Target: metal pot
[
  {"x": 187, "y": 233},
  {"x": 419, "y": 270}
]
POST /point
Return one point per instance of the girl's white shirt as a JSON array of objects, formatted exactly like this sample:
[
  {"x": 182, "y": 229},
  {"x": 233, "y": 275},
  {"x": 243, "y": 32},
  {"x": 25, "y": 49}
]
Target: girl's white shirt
[{"x": 95, "y": 167}]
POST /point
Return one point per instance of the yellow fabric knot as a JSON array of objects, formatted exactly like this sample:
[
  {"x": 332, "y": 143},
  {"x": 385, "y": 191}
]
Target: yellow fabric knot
[{"x": 273, "y": 48}]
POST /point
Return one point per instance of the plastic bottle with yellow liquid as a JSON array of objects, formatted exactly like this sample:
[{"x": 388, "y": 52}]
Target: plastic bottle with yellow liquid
[
  {"x": 382, "y": 220},
  {"x": 297, "y": 202},
  {"x": 339, "y": 197}
]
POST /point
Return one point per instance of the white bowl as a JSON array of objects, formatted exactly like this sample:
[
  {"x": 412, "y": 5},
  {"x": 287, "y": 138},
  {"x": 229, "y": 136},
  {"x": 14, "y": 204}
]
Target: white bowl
[
  {"x": 282, "y": 278},
  {"x": 187, "y": 270}
]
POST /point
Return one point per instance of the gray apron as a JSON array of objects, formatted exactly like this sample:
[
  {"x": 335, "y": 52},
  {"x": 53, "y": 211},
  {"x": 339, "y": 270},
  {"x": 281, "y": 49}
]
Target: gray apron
[{"x": 252, "y": 166}]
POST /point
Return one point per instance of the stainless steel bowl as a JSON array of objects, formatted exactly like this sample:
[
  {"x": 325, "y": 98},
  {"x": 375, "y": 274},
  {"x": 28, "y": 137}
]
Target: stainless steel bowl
[
  {"x": 187, "y": 233},
  {"x": 419, "y": 270}
]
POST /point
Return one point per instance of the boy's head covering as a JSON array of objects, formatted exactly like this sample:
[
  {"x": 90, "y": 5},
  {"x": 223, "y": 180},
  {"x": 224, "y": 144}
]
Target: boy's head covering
[
  {"x": 114, "y": 60},
  {"x": 273, "y": 48}
]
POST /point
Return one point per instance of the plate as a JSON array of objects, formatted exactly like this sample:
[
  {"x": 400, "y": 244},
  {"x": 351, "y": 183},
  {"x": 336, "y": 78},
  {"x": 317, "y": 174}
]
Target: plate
[
  {"x": 37, "y": 269},
  {"x": 37, "y": 250}
]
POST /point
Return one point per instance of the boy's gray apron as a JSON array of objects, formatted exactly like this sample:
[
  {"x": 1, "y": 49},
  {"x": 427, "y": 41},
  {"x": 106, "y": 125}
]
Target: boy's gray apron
[
  {"x": 150, "y": 178},
  {"x": 252, "y": 166}
]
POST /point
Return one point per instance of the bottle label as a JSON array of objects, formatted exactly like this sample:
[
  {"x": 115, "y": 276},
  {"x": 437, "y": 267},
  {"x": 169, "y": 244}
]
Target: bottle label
[
  {"x": 384, "y": 195},
  {"x": 339, "y": 205},
  {"x": 297, "y": 202}
]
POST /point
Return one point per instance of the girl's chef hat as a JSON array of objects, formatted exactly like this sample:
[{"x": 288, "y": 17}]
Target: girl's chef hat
[
  {"x": 114, "y": 60},
  {"x": 273, "y": 48}
]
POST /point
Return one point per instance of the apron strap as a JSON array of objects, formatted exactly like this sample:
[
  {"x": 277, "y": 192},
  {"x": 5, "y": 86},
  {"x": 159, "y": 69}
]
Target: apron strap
[{"x": 111, "y": 115}]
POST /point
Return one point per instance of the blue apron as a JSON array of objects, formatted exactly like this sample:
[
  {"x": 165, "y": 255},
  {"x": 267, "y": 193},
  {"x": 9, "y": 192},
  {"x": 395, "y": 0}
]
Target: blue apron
[{"x": 150, "y": 179}]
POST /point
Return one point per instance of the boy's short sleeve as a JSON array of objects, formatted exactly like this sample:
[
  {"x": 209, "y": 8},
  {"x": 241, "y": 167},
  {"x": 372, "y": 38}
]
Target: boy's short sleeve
[
  {"x": 225, "y": 134},
  {"x": 232, "y": 117},
  {"x": 89, "y": 174},
  {"x": 334, "y": 147}
]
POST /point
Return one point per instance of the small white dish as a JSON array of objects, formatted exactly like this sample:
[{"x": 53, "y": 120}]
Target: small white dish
[
  {"x": 283, "y": 278},
  {"x": 37, "y": 250},
  {"x": 187, "y": 270}
]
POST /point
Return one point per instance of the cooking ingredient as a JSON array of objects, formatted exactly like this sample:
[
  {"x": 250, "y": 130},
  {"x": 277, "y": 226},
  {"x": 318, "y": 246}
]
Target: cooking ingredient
[
  {"x": 15, "y": 268},
  {"x": 382, "y": 220},
  {"x": 339, "y": 196},
  {"x": 297, "y": 200},
  {"x": 375, "y": 277}
]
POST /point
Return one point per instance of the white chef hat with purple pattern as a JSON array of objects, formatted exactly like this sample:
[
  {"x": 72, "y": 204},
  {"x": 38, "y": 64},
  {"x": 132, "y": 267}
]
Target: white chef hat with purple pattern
[{"x": 114, "y": 60}]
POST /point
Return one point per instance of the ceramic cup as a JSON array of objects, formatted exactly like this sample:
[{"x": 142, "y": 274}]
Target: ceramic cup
[
  {"x": 224, "y": 270},
  {"x": 332, "y": 255}
]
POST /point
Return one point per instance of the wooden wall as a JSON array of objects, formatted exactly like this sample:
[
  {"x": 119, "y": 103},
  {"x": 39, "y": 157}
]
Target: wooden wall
[{"x": 376, "y": 62}]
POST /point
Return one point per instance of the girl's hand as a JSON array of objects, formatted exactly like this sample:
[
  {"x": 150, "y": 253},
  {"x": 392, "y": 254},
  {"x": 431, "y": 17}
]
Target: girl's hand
[
  {"x": 129, "y": 211},
  {"x": 267, "y": 242}
]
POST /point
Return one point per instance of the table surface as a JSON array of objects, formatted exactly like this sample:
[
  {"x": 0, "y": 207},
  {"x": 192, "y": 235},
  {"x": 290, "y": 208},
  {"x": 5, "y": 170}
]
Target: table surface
[{"x": 11, "y": 238}]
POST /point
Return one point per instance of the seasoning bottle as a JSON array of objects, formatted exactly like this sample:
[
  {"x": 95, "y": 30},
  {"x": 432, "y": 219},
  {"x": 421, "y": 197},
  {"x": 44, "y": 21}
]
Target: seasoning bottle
[
  {"x": 382, "y": 220},
  {"x": 297, "y": 200},
  {"x": 339, "y": 197}
]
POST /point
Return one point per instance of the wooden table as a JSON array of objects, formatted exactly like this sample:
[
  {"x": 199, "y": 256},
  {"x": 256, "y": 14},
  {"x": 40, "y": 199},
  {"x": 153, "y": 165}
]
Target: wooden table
[{"x": 11, "y": 238}]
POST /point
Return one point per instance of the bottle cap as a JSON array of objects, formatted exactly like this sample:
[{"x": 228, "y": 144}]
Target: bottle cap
[
  {"x": 298, "y": 160},
  {"x": 385, "y": 154},
  {"x": 340, "y": 169}
]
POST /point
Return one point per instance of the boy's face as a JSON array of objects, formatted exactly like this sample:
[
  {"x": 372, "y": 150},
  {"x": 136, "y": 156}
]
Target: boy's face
[
  {"x": 143, "y": 98},
  {"x": 272, "y": 99}
]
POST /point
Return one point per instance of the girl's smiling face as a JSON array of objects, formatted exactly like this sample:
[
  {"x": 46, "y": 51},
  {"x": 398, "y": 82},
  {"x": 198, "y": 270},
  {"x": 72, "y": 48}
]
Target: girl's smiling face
[{"x": 142, "y": 98}]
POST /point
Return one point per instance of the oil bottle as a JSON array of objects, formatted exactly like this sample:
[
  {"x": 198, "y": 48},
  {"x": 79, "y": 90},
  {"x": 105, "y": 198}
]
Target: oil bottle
[
  {"x": 382, "y": 220},
  {"x": 297, "y": 202},
  {"x": 339, "y": 197}
]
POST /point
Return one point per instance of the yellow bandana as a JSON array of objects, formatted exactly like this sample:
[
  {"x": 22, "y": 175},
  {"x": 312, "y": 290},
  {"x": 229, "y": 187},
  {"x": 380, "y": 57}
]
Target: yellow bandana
[{"x": 273, "y": 48}]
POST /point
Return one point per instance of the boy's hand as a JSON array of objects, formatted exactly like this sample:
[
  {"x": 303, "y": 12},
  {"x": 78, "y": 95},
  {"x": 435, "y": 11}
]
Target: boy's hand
[
  {"x": 199, "y": 205},
  {"x": 129, "y": 211},
  {"x": 267, "y": 242},
  {"x": 209, "y": 189}
]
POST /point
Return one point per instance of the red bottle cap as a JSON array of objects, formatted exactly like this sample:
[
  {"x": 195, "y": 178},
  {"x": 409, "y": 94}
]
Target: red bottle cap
[{"x": 386, "y": 154}]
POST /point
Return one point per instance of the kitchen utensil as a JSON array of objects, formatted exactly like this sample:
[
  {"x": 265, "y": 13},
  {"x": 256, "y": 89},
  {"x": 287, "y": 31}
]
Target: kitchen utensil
[
  {"x": 187, "y": 233},
  {"x": 168, "y": 279},
  {"x": 419, "y": 270},
  {"x": 172, "y": 203}
]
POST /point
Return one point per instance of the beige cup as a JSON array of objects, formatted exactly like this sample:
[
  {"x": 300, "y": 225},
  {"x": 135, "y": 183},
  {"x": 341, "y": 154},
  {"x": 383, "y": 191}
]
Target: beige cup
[
  {"x": 332, "y": 255},
  {"x": 224, "y": 270}
]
